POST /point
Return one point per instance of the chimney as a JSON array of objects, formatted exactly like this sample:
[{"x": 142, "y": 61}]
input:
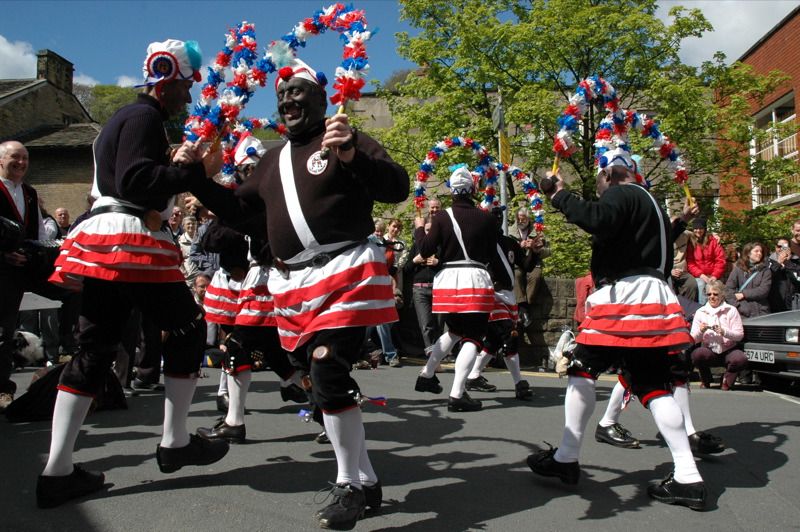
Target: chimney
[{"x": 55, "y": 69}]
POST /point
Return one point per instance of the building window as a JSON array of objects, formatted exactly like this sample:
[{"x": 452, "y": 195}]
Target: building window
[{"x": 775, "y": 144}]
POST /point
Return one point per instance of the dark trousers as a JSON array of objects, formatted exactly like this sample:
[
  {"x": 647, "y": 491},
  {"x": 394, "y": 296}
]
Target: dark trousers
[
  {"x": 430, "y": 324},
  {"x": 733, "y": 360},
  {"x": 105, "y": 312}
]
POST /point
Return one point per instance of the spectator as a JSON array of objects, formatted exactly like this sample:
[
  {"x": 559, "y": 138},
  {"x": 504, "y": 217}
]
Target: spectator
[
  {"x": 527, "y": 283},
  {"x": 682, "y": 281},
  {"x": 705, "y": 257},
  {"x": 175, "y": 223},
  {"x": 62, "y": 218},
  {"x": 422, "y": 272},
  {"x": 392, "y": 259},
  {"x": 85, "y": 214},
  {"x": 51, "y": 229},
  {"x": 785, "y": 268},
  {"x": 750, "y": 281},
  {"x": 203, "y": 260},
  {"x": 185, "y": 241},
  {"x": 717, "y": 327}
]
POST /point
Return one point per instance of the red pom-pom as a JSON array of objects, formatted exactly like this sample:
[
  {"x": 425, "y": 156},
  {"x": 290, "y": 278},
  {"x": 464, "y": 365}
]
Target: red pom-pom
[
  {"x": 281, "y": 129},
  {"x": 666, "y": 149},
  {"x": 256, "y": 123},
  {"x": 348, "y": 89},
  {"x": 539, "y": 227},
  {"x": 448, "y": 142},
  {"x": 681, "y": 176},
  {"x": 206, "y": 130},
  {"x": 419, "y": 201},
  {"x": 309, "y": 26},
  {"x": 286, "y": 73},
  {"x": 603, "y": 134},
  {"x": 422, "y": 176},
  {"x": 573, "y": 110},
  {"x": 239, "y": 80},
  {"x": 468, "y": 142},
  {"x": 230, "y": 112},
  {"x": 209, "y": 92},
  {"x": 433, "y": 156},
  {"x": 355, "y": 50},
  {"x": 259, "y": 76},
  {"x": 223, "y": 59}
]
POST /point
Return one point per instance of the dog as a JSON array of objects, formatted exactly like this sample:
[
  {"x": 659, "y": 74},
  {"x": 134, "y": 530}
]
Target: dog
[{"x": 27, "y": 349}]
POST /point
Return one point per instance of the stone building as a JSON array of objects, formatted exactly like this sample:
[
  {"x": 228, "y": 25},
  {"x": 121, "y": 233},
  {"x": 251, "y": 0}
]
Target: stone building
[{"x": 44, "y": 114}]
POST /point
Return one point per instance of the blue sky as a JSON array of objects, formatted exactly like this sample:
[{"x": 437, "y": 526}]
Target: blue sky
[{"x": 106, "y": 40}]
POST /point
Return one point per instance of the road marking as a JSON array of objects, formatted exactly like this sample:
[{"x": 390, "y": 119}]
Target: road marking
[{"x": 783, "y": 396}]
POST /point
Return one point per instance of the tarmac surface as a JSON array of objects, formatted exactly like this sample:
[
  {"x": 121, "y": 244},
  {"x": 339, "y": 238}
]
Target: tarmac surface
[{"x": 440, "y": 470}]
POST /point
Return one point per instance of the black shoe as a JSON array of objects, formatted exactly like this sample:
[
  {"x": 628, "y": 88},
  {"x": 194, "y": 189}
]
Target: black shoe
[
  {"x": 463, "y": 404},
  {"x": 670, "y": 492},
  {"x": 704, "y": 443},
  {"x": 616, "y": 435},
  {"x": 425, "y": 384},
  {"x": 199, "y": 451},
  {"x": 543, "y": 463},
  {"x": 480, "y": 385},
  {"x": 322, "y": 437},
  {"x": 522, "y": 391},
  {"x": 143, "y": 386},
  {"x": 348, "y": 506},
  {"x": 222, "y": 403},
  {"x": 223, "y": 431},
  {"x": 53, "y": 491},
  {"x": 373, "y": 495},
  {"x": 294, "y": 393}
]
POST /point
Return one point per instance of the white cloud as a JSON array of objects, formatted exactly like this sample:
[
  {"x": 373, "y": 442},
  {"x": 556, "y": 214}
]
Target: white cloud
[
  {"x": 83, "y": 79},
  {"x": 127, "y": 81},
  {"x": 738, "y": 25},
  {"x": 17, "y": 60}
]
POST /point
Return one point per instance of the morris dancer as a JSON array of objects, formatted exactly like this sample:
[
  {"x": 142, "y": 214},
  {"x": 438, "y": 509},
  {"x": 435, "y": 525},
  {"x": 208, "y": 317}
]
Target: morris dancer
[
  {"x": 633, "y": 321},
  {"x": 462, "y": 289},
  {"x": 126, "y": 260},
  {"x": 502, "y": 332},
  {"x": 328, "y": 283}
]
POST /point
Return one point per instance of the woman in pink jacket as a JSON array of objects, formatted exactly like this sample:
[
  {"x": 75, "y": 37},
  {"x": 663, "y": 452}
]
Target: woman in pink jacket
[{"x": 717, "y": 327}]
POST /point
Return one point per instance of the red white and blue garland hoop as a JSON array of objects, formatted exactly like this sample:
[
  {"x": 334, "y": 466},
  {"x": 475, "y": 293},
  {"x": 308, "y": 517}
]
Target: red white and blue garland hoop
[
  {"x": 612, "y": 132},
  {"x": 484, "y": 168},
  {"x": 529, "y": 187},
  {"x": 351, "y": 24}
]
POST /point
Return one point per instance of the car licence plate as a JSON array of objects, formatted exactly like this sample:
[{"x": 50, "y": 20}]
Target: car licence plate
[{"x": 755, "y": 355}]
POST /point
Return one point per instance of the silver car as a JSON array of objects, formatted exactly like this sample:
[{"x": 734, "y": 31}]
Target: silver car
[{"x": 772, "y": 345}]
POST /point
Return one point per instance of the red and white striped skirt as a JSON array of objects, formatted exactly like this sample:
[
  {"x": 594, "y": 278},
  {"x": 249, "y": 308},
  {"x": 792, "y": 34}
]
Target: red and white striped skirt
[
  {"x": 354, "y": 289},
  {"x": 117, "y": 247},
  {"x": 222, "y": 299},
  {"x": 637, "y": 311},
  {"x": 256, "y": 305},
  {"x": 505, "y": 307},
  {"x": 462, "y": 289}
]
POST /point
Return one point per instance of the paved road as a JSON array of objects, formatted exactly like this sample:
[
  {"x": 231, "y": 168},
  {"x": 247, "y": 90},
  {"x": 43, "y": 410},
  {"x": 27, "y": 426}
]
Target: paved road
[{"x": 441, "y": 471}]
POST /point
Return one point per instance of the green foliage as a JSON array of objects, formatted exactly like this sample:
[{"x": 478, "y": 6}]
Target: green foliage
[
  {"x": 106, "y": 99},
  {"x": 755, "y": 225},
  {"x": 532, "y": 53}
]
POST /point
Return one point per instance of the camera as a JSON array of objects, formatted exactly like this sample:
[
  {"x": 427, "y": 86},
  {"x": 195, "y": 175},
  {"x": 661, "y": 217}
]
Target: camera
[{"x": 10, "y": 235}]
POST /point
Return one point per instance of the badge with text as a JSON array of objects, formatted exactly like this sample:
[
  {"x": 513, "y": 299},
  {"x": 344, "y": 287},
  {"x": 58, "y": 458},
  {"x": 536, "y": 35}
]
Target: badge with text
[{"x": 316, "y": 164}]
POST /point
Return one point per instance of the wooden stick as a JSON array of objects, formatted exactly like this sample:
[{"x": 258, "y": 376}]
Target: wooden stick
[
  {"x": 326, "y": 151},
  {"x": 688, "y": 194},
  {"x": 555, "y": 165}
]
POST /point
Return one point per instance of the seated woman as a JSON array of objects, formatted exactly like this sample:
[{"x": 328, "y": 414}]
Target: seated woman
[
  {"x": 717, "y": 327},
  {"x": 749, "y": 282}
]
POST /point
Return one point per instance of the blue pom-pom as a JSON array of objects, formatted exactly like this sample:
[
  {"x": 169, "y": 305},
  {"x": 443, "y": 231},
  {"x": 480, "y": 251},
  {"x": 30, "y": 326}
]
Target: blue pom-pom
[{"x": 194, "y": 54}]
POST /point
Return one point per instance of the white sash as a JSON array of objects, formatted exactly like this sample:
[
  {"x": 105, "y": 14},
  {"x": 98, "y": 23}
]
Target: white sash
[
  {"x": 293, "y": 201},
  {"x": 457, "y": 232}
]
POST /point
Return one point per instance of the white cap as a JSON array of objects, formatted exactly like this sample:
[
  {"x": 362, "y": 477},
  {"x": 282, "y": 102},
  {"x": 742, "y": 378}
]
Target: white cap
[
  {"x": 248, "y": 151},
  {"x": 172, "y": 59},
  {"x": 299, "y": 69},
  {"x": 617, "y": 157},
  {"x": 461, "y": 181}
]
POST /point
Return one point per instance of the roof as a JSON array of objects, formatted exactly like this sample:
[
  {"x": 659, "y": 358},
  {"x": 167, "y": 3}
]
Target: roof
[
  {"x": 9, "y": 87},
  {"x": 71, "y": 136},
  {"x": 770, "y": 33}
]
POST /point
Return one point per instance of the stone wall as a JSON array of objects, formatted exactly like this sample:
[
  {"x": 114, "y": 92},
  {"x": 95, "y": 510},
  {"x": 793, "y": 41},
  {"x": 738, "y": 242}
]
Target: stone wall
[{"x": 552, "y": 310}]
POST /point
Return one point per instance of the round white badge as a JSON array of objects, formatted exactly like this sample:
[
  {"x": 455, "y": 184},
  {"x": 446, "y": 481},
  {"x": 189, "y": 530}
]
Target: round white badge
[{"x": 316, "y": 164}]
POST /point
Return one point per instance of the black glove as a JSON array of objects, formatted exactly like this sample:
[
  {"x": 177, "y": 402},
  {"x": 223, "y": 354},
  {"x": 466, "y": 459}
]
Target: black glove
[{"x": 548, "y": 184}]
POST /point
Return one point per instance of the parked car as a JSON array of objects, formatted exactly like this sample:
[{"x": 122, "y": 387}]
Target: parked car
[{"x": 772, "y": 345}]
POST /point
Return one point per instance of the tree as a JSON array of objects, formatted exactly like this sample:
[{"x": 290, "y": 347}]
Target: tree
[
  {"x": 106, "y": 99},
  {"x": 534, "y": 53}
]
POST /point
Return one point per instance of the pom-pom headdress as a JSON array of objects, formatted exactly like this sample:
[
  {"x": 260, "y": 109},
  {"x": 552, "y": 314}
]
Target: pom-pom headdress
[
  {"x": 249, "y": 150},
  {"x": 461, "y": 180},
  {"x": 299, "y": 69},
  {"x": 171, "y": 60}
]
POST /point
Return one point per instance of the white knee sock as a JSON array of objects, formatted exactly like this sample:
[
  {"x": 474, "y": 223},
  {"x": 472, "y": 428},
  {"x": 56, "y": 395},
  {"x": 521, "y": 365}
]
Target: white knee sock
[
  {"x": 68, "y": 416},
  {"x": 681, "y": 395},
  {"x": 237, "y": 393},
  {"x": 512, "y": 363},
  {"x": 578, "y": 408},
  {"x": 223, "y": 383},
  {"x": 481, "y": 361},
  {"x": 346, "y": 432},
  {"x": 614, "y": 408},
  {"x": 464, "y": 363},
  {"x": 441, "y": 348},
  {"x": 669, "y": 421},
  {"x": 366, "y": 473},
  {"x": 178, "y": 395}
]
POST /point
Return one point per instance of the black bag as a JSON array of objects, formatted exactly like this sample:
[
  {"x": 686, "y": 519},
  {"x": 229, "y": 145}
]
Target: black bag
[{"x": 38, "y": 402}]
